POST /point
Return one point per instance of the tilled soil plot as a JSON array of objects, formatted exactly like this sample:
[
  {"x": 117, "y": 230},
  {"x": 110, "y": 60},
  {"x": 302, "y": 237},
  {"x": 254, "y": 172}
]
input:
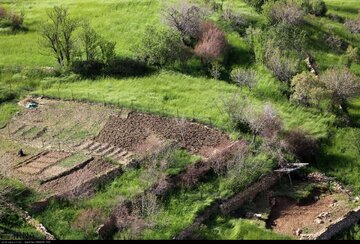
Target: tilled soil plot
[
  {"x": 42, "y": 162},
  {"x": 131, "y": 132},
  {"x": 78, "y": 177}
]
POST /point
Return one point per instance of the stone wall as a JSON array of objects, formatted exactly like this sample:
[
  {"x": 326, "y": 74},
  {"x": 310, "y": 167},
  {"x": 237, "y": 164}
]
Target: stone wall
[
  {"x": 341, "y": 224},
  {"x": 250, "y": 193},
  {"x": 228, "y": 205}
]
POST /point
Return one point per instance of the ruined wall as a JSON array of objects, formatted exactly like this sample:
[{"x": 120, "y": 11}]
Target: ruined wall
[
  {"x": 250, "y": 193},
  {"x": 341, "y": 224},
  {"x": 229, "y": 205}
]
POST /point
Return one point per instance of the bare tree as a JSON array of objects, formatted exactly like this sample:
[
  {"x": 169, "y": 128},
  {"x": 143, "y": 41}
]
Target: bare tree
[
  {"x": 244, "y": 77},
  {"x": 58, "y": 34},
  {"x": 342, "y": 83},
  {"x": 267, "y": 123},
  {"x": 236, "y": 107},
  {"x": 212, "y": 44},
  {"x": 226, "y": 160},
  {"x": 283, "y": 66},
  {"x": 288, "y": 13},
  {"x": 354, "y": 25},
  {"x": 186, "y": 19}
]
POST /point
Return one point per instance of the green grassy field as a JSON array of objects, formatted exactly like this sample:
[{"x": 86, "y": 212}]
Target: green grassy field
[{"x": 172, "y": 93}]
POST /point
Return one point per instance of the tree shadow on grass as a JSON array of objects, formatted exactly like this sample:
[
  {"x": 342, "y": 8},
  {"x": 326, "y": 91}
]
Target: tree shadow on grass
[
  {"x": 354, "y": 117},
  {"x": 117, "y": 68},
  {"x": 343, "y": 9}
]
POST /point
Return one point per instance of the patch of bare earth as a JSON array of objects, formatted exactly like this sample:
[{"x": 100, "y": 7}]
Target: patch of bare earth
[
  {"x": 288, "y": 217},
  {"x": 131, "y": 133},
  {"x": 57, "y": 124},
  {"x": 32, "y": 169},
  {"x": 64, "y": 184}
]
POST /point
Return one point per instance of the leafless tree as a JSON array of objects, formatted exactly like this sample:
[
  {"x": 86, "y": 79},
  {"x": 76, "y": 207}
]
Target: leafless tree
[
  {"x": 57, "y": 35},
  {"x": 342, "y": 83},
  {"x": 212, "y": 44},
  {"x": 236, "y": 107},
  {"x": 353, "y": 25},
  {"x": 283, "y": 66},
  {"x": 244, "y": 77},
  {"x": 147, "y": 206},
  {"x": 267, "y": 123},
  {"x": 288, "y": 13},
  {"x": 226, "y": 160},
  {"x": 237, "y": 21},
  {"x": 186, "y": 19}
]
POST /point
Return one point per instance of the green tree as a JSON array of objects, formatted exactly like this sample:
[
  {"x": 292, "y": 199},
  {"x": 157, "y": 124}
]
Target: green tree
[
  {"x": 160, "y": 46},
  {"x": 308, "y": 89},
  {"x": 58, "y": 35}
]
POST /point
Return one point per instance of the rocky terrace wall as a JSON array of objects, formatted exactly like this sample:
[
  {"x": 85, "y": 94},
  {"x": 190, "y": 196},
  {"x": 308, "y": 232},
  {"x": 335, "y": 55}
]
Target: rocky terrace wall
[
  {"x": 229, "y": 205},
  {"x": 341, "y": 224}
]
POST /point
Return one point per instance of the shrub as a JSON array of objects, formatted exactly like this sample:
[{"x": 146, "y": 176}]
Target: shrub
[
  {"x": 353, "y": 25},
  {"x": 244, "y": 77},
  {"x": 213, "y": 5},
  {"x": 316, "y": 7},
  {"x": 257, "y": 4},
  {"x": 237, "y": 21},
  {"x": 236, "y": 107},
  {"x": 216, "y": 70},
  {"x": 255, "y": 39},
  {"x": 13, "y": 20},
  {"x": 193, "y": 175},
  {"x": 3, "y": 13},
  {"x": 352, "y": 55},
  {"x": 288, "y": 13},
  {"x": 212, "y": 44},
  {"x": 337, "y": 18},
  {"x": 16, "y": 21},
  {"x": 307, "y": 89},
  {"x": 90, "y": 42},
  {"x": 282, "y": 66},
  {"x": 107, "y": 49},
  {"x": 7, "y": 95},
  {"x": 267, "y": 123},
  {"x": 286, "y": 38},
  {"x": 335, "y": 42},
  {"x": 160, "y": 46}
]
